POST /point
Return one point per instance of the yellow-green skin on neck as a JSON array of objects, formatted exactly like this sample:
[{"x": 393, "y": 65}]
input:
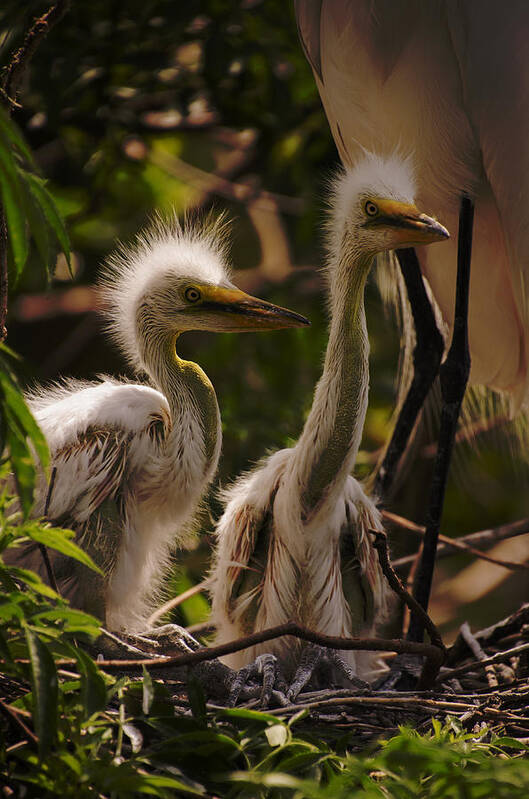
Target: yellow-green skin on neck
[
  {"x": 346, "y": 376},
  {"x": 201, "y": 388}
]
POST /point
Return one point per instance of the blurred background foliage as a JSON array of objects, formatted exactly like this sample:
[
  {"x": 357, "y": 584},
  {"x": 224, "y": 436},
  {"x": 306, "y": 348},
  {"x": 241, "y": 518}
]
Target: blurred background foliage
[{"x": 133, "y": 106}]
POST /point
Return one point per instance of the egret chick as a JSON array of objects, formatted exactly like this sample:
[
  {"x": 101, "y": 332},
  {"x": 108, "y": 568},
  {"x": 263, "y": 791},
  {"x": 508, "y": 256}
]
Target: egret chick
[
  {"x": 133, "y": 460},
  {"x": 293, "y": 543}
]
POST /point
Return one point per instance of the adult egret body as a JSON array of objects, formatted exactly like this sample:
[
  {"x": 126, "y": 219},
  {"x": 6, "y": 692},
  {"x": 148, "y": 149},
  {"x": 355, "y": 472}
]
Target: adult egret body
[
  {"x": 447, "y": 81},
  {"x": 293, "y": 543},
  {"x": 132, "y": 460}
]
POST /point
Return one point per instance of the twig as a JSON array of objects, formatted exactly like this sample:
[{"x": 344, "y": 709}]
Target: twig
[
  {"x": 464, "y": 543},
  {"x": 42, "y": 547},
  {"x": 13, "y": 716},
  {"x": 381, "y": 545},
  {"x": 499, "y": 657},
  {"x": 177, "y": 600},
  {"x": 507, "y": 631},
  {"x": 384, "y": 701},
  {"x": 432, "y": 653},
  {"x": 8, "y": 90},
  {"x": 478, "y": 653},
  {"x": 19, "y": 61}
]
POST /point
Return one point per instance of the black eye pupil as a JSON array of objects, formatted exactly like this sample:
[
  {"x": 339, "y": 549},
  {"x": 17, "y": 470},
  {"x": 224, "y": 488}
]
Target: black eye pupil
[
  {"x": 192, "y": 295},
  {"x": 371, "y": 209}
]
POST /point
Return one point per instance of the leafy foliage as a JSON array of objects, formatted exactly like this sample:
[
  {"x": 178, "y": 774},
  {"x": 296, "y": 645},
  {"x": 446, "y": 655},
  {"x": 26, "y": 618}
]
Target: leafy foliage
[
  {"x": 29, "y": 207},
  {"x": 17, "y": 428}
]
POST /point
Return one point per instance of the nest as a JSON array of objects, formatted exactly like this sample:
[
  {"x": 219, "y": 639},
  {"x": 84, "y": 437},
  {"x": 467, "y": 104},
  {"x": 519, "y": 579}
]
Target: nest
[{"x": 484, "y": 682}]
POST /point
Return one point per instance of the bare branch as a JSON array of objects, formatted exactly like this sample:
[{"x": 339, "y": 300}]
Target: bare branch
[
  {"x": 429, "y": 674},
  {"x": 474, "y": 646},
  {"x": 433, "y": 654},
  {"x": 381, "y": 545},
  {"x": 19, "y": 61},
  {"x": 8, "y": 90},
  {"x": 14, "y": 716},
  {"x": 464, "y": 544},
  {"x": 419, "y": 703},
  {"x": 499, "y": 657}
]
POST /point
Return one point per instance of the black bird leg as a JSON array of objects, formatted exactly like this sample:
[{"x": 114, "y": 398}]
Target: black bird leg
[
  {"x": 427, "y": 356},
  {"x": 453, "y": 374},
  {"x": 311, "y": 657}
]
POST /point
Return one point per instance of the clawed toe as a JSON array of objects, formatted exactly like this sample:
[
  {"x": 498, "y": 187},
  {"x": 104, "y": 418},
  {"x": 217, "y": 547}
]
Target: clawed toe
[
  {"x": 265, "y": 667},
  {"x": 403, "y": 674},
  {"x": 314, "y": 656},
  {"x": 168, "y": 636}
]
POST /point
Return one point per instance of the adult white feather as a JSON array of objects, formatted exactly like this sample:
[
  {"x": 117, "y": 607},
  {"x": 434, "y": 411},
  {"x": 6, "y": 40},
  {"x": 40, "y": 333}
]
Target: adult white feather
[{"x": 449, "y": 81}]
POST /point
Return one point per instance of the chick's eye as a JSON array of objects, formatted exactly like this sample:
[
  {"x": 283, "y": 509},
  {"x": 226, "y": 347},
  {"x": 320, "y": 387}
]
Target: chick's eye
[
  {"x": 192, "y": 295},
  {"x": 370, "y": 208}
]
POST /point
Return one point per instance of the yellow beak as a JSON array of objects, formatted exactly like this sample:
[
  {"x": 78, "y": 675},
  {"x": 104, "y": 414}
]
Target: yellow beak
[
  {"x": 235, "y": 311},
  {"x": 409, "y": 226}
]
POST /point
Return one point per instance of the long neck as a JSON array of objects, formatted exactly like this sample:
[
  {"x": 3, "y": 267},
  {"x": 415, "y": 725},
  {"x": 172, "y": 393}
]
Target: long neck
[
  {"x": 326, "y": 451},
  {"x": 192, "y": 401}
]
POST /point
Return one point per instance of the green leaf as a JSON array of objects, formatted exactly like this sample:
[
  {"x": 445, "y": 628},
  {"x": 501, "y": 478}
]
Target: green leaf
[
  {"x": 59, "y": 539},
  {"x": 511, "y": 743},
  {"x": 13, "y": 202},
  {"x": 45, "y": 692},
  {"x": 37, "y": 226},
  {"x": 134, "y": 735},
  {"x": 17, "y": 405},
  {"x": 277, "y": 735},
  {"x": 148, "y": 692},
  {"x": 47, "y": 204},
  {"x": 30, "y": 579},
  {"x": 93, "y": 686},
  {"x": 21, "y": 462},
  {"x": 197, "y": 700},
  {"x": 248, "y": 715},
  {"x": 11, "y": 134},
  {"x": 74, "y": 621}
]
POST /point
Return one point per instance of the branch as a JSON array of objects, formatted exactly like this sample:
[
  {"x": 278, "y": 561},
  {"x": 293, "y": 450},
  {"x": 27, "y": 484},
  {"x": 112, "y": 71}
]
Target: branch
[
  {"x": 474, "y": 646},
  {"x": 428, "y": 675},
  {"x": 13, "y": 715},
  {"x": 381, "y": 545},
  {"x": 463, "y": 544},
  {"x": 19, "y": 61},
  {"x": 389, "y": 702},
  {"x": 8, "y": 90},
  {"x": 433, "y": 654},
  {"x": 499, "y": 657}
]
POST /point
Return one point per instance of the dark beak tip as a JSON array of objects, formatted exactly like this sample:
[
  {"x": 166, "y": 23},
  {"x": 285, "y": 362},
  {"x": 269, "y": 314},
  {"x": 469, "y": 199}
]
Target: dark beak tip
[{"x": 302, "y": 321}]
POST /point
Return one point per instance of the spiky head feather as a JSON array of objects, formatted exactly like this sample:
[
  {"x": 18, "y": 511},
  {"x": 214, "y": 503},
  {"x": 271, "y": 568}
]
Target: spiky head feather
[
  {"x": 390, "y": 177},
  {"x": 194, "y": 248}
]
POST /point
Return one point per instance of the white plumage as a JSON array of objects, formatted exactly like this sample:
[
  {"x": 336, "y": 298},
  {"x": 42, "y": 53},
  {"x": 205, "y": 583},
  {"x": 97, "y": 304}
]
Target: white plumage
[
  {"x": 132, "y": 461},
  {"x": 449, "y": 82},
  {"x": 293, "y": 542}
]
